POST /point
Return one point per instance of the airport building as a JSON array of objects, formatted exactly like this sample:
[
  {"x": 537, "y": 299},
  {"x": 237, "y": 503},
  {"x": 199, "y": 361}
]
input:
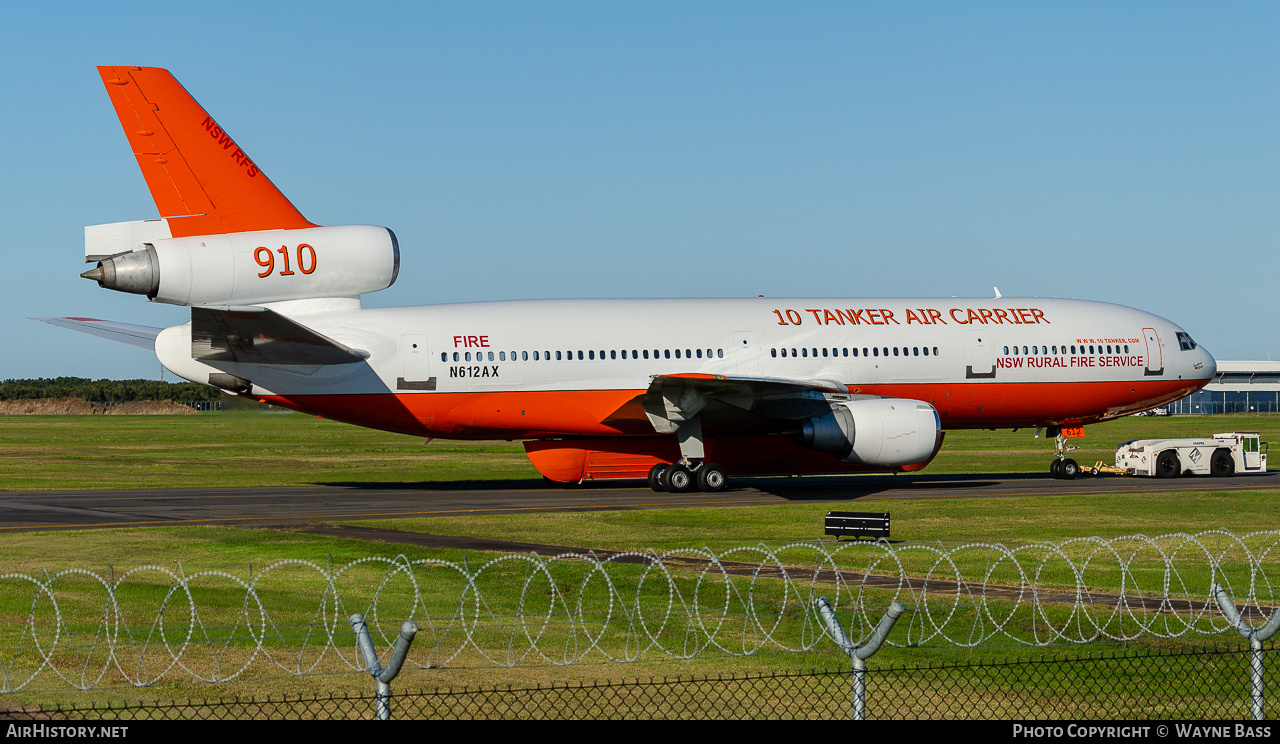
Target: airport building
[{"x": 1239, "y": 387}]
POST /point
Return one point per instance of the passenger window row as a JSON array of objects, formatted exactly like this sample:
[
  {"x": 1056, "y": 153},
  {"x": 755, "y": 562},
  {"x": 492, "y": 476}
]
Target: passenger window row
[
  {"x": 874, "y": 351},
  {"x": 1057, "y": 350},
  {"x": 588, "y": 355}
]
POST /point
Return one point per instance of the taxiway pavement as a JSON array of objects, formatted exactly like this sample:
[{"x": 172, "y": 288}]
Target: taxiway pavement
[{"x": 305, "y": 505}]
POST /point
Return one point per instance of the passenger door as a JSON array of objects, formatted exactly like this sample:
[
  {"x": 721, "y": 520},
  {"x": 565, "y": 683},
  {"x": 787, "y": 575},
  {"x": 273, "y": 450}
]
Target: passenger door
[
  {"x": 415, "y": 364},
  {"x": 1155, "y": 354},
  {"x": 746, "y": 355},
  {"x": 982, "y": 363}
]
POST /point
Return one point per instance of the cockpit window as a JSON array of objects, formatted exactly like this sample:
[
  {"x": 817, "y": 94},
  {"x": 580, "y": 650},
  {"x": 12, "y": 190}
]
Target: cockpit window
[{"x": 1184, "y": 342}]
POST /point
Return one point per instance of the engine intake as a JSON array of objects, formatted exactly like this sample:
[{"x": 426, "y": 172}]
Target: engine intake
[{"x": 882, "y": 432}]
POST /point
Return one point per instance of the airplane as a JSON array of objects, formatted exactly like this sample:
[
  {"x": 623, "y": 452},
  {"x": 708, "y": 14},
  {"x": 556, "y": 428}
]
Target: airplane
[{"x": 682, "y": 393}]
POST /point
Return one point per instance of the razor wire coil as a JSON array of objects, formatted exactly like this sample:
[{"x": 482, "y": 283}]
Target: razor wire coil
[{"x": 153, "y": 623}]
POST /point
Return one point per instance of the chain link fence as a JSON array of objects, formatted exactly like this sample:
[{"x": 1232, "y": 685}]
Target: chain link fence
[
  {"x": 150, "y": 625},
  {"x": 1201, "y": 685}
]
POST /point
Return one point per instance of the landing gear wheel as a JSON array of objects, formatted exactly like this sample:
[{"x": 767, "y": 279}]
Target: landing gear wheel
[
  {"x": 711, "y": 478},
  {"x": 1055, "y": 469},
  {"x": 1167, "y": 465},
  {"x": 1069, "y": 469},
  {"x": 1222, "y": 464},
  {"x": 677, "y": 479},
  {"x": 655, "y": 476}
]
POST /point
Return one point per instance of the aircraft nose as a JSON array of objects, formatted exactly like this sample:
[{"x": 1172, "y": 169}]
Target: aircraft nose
[{"x": 1210, "y": 367}]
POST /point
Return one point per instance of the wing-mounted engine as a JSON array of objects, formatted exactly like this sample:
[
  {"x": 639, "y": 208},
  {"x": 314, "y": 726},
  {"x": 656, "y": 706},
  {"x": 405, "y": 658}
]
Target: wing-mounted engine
[
  {"x": 247, "y": 268},
  {"x": 883, "y": 432}
]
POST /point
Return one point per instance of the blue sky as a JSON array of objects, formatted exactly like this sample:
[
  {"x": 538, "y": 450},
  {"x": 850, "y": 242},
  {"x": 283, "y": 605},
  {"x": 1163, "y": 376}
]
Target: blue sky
[{"x": 1125, "y": 152}]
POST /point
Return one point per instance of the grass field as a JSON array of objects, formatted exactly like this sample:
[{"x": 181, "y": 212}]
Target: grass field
[
  {"x": 257, "y": 448},
  {"x": 238, "y": 448},
  {"x": 274, "y": 449}
]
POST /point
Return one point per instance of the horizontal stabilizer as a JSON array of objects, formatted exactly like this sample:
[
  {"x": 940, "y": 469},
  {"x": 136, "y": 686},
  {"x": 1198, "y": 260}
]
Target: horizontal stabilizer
[
  {"x": 135, "y": 335},
  {"x": 256, "y": 335}
]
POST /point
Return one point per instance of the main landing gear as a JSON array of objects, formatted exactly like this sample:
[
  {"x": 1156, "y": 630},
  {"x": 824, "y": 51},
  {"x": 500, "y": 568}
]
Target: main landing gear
[
  {"x": 679, "y": 416},
  {"x": 1063, "y": 468},
  {"x": 682, "y": 477}
]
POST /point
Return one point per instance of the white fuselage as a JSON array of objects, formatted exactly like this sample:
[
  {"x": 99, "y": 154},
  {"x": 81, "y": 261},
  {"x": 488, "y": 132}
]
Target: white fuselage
[{"x": 981, "y": 362}]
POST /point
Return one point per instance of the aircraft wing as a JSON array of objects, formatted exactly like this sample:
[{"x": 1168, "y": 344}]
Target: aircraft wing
[
  {"x": 256, "y": 335},
  {"x": 674, "y": 399},
  {"x": 135, "y": 335},
  {"x": 773, "y": 386}
]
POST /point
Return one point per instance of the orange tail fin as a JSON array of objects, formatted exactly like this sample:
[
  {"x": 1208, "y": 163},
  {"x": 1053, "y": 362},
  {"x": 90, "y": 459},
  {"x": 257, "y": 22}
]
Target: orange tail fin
[{"x": 202, "y": 182}]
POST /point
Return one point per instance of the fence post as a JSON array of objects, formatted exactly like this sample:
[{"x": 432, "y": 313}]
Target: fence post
[
  {"x": 859, "y": 654},
  {"x": 371, "y": 665},
  {"x": 1255, "y": 636}
]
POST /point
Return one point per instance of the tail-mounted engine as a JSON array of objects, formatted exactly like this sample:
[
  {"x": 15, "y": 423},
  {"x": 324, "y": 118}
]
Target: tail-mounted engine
[
  {"x": 247, "y": 267},
  {"x": 884, "y": 432}
]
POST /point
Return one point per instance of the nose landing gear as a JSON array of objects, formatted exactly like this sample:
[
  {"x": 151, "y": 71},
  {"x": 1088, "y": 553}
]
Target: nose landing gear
[{"x": 1063, "y": 468}]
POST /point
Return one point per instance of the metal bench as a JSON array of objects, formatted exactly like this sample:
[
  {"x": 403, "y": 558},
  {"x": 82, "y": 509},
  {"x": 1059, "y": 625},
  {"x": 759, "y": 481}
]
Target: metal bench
[{"x": 858, "y": 524}]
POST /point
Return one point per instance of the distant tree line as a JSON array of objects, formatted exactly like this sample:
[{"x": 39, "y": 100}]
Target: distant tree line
[{"x": 106, "y": 391}]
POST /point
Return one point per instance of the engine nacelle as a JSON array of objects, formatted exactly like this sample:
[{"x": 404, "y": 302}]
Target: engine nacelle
[
  {"x": 883, "y": 432},
  {"x": 254, "y": 267}
]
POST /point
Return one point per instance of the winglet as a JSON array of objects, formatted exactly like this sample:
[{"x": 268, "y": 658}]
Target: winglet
[{"x": 200, "y": 179}]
